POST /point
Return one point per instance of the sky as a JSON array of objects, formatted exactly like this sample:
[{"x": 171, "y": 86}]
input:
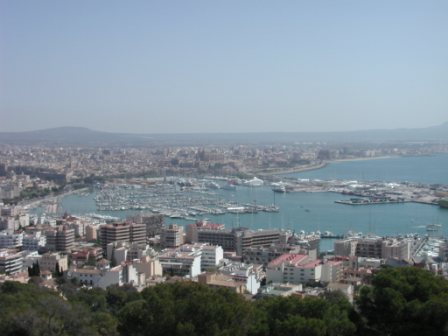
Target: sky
[{"x": 223, "y": 66}]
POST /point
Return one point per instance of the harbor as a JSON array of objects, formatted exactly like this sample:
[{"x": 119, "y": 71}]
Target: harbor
[
  {"x": 289, "y": 202},
  {"x": 176, "y": 199},
  {"x": 308, "y": 211}
]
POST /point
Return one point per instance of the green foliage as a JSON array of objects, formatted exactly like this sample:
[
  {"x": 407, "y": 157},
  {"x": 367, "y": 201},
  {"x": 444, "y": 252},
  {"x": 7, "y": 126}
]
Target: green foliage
[
  {"x": 185, "y": 308},
  {"x": 34, "y": 270},
  {"x": 94, "y": 299},
  {"x": 309, "y": 316},
  {"x": 30, "y": 310},
  {"x": 117, "y": 297},
  {"x": 405, "y": 301}
]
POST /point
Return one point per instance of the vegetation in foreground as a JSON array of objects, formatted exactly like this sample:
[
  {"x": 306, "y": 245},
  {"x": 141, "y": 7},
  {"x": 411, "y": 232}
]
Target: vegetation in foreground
[{"x": 405, "y": 301}]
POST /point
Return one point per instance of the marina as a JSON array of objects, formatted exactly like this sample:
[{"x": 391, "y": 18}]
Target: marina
[
  {"x": 311, "y": 205},
  {"x": 174, "y": 200},
  {"x": 308, "y": 211}
]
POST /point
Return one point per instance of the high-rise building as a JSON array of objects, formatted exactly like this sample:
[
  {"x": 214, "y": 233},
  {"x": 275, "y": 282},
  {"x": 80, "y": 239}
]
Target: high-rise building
[
  {"x": 122, "y": 232},
  {"x": 153, "y": 222},
  {"x": 60, "y": 238},
  {"x": 34, "y": 241},
  {"x": 11, "y": 261},
  {"x": 172, "y": 236},
  {"x": 245, "y": 239},
  {"x": 91, "y": 233},
  {"x": 10, "y": 239},
  {"x": 239, "y": 239}
]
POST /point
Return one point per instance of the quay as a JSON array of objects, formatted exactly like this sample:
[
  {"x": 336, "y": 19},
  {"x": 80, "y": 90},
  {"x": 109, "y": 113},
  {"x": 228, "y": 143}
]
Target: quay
[{"x": 370, "y": 201}]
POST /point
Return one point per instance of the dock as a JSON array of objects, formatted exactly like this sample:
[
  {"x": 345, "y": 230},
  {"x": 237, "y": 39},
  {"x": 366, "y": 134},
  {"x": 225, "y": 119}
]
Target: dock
[{"x": 371, "y": 201}]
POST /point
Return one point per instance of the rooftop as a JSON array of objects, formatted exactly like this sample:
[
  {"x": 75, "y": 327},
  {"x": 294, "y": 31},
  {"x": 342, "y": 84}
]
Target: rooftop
[
  {"x": 289, "y": 258},
  {"x": 311, "y": 264}
]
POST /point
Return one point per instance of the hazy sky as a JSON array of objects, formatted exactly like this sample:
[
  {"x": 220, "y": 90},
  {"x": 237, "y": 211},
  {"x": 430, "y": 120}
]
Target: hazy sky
[{"x": 223, "y": 66}]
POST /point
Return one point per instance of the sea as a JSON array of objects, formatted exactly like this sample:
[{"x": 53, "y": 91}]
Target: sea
[{"x": 311, "y": 212}]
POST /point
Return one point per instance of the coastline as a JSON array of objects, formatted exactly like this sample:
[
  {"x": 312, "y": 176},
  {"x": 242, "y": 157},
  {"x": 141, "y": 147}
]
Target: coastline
[
  {"x": 321, "y": 165},
  {"x": 364, "y": 158},
  {"x": 295, "y": 169},
  {"x": 31, "y": 204}
]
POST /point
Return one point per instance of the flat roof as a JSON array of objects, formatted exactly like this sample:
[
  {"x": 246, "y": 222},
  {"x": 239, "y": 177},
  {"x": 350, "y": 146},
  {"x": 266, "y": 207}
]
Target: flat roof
[{"x": 289, "y": 258}]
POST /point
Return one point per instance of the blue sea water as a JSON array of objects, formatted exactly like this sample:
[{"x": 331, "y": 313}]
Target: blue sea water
[
  {"x": 318, "y": 211},
  {"x": 431, "y": 169}
]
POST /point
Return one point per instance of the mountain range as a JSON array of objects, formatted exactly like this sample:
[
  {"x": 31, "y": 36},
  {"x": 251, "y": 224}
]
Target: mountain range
[{"x": 81, "y": 136}]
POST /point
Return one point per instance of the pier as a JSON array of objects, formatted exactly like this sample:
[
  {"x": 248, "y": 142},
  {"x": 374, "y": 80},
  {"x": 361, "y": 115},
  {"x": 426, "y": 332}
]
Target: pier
[{"x": 370, "y": 201}]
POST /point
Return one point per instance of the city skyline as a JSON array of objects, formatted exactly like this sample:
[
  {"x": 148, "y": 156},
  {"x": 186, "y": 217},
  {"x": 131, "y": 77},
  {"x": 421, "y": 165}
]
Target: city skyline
[{"x": 233, "y": 67}]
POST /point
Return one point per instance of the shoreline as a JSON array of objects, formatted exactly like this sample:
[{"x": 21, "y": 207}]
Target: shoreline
[
  {"x": 365, "y": 158},
  {"x": 294, "y": 170},
  {"x": 32, "y": 204},
  {"x": 326, "y": 163}
]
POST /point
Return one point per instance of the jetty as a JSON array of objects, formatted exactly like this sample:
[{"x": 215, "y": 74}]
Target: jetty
[{"x": 371, "y": 201}]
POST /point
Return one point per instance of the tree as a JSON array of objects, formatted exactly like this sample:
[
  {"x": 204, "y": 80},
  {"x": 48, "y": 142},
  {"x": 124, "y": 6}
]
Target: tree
[
  {"x": 58, "y": 272},
  {"x": 34, "y": 270},
  {"x": 186, "y": 308},
  {"x": 308, "y": 316},
  {"x": 405, "y": 301}
]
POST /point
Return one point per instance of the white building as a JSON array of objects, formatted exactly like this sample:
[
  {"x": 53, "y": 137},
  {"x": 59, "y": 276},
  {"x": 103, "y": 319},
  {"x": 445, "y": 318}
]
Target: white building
[
  {"x": 279, "y": 289},
  {"x": 211, "y": 256},
  {"x": 34, "y": 241},
  {"x": 184, "y": 261},
  {"x": 11, "y": 261},
  {"x": 24, "y": 220},
  {"x": 10, "y": 239},
  {"x": 93, "y": 277},
  {"x": 89, "y": 275},
  {"x": 247, "y": 273},
  {"x": 119, "y": 252},
  {"x": 151, "y": 267},
  {"x": 332, "y": 271},
  {"x": 132, "y": 276},
  {"x": 396, "y": 249},
  {"x": 293, "y": 268}
]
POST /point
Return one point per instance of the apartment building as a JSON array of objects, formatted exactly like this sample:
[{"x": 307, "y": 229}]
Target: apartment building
[
  {"x": 181, "y": 262},
  {"x": 10, "y": 239},
  {"x": 172, "y": 236},
  {"x": 293, "y": 268},
  {"x": 11, "y": 261},
  {"x": 34, "y": 241},
  {"x": 122, "y": 232},
  {"x": 49, "y": 260},
  {"x": 61, "y": 238}
]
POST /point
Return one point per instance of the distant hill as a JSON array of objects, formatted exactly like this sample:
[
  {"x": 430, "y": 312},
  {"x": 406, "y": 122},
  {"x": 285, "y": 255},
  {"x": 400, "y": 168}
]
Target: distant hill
[
  {"x": 86, "y": 137},
  {"x": 65, "y": 136}
]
